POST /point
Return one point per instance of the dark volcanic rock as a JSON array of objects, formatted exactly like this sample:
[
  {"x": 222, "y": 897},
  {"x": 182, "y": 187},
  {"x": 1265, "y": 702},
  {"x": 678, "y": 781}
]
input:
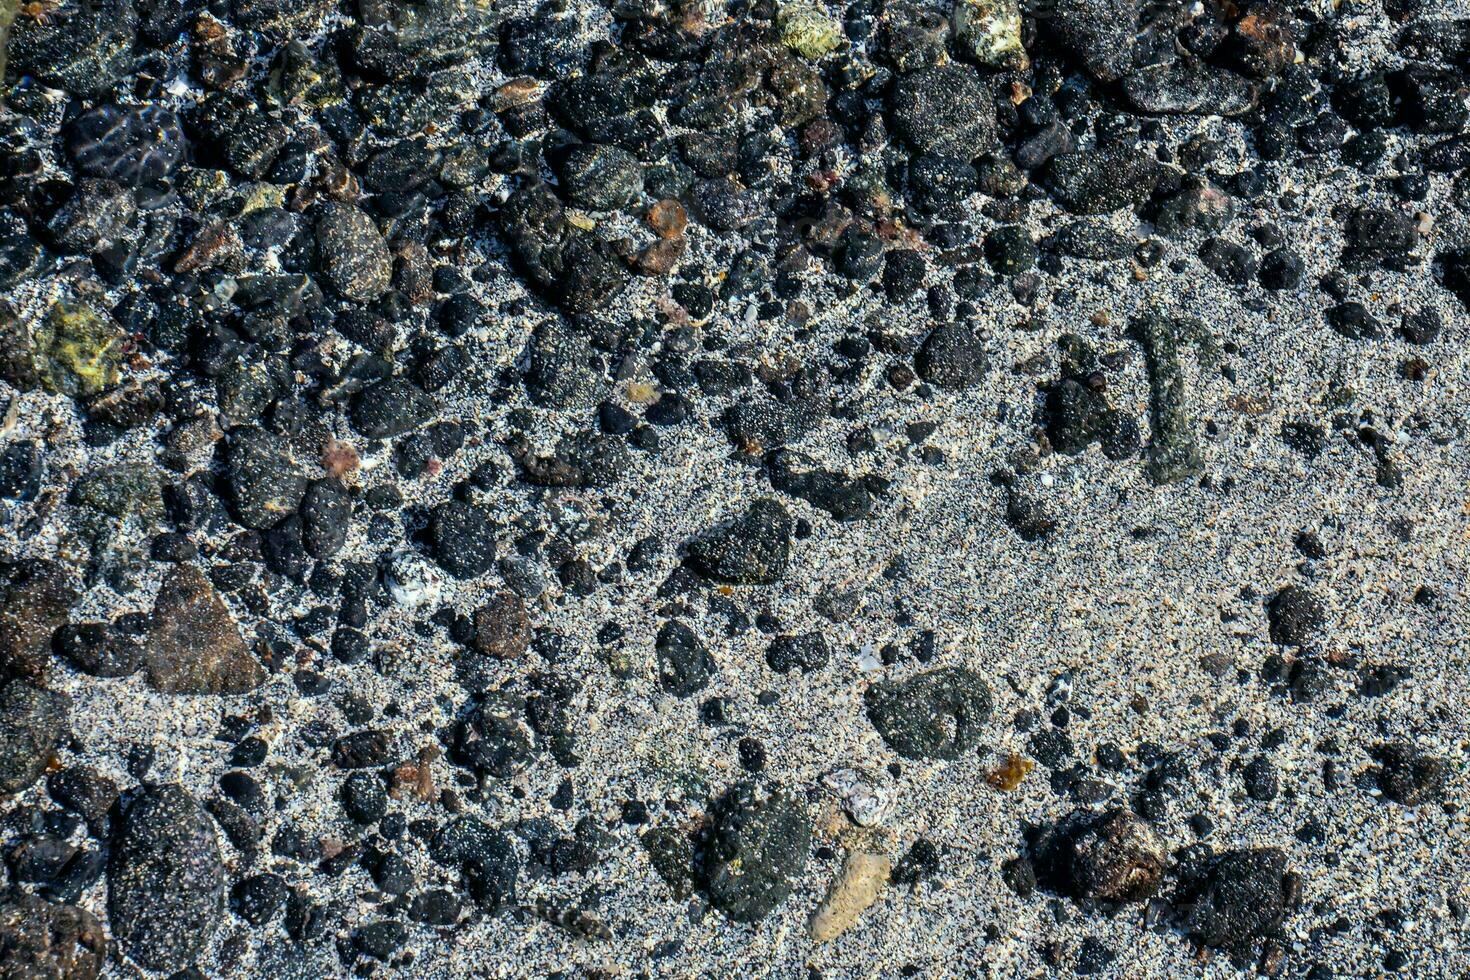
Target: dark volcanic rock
[
  {"x": 32, "y": 722},
  {"x": 944, "y": 109},
  {"x": 1111, "y": 37},
  {"x": 1296, "y": 616},
  {"x": 1106, "y": 857},
  {"x": 684, "y": 662},
  {"x": 952, "y": 358},
  {"x": 265, "y": 483},
  {"x": 753, "y": 549},
  {"x": 134, "y": 146},
  {"x": 391, "y": 408},
  {"x": 85, "y": 51},
  {"x": 1085, "y": 239},
  {"x": 755, "y": 848},
  {"x": 1099, "y": 181},
  {"x": 353, "y": 256},
  {"x": 44, "y": 941},
  {"x": 1406, "y": 776},
  {"x": 586, "y": 459},
  {"x": 600, "y": 178},
  {"x": 494, "y": 740},
  {"x": 326, "y": 513},
  {"x": 938, "y": 715},
  {"x": 563, "y": 371},
  {"x": 35, "y": 597},
  {"x": 797, "y": 474},
  {"x": 165, "y": 879},
  {"x": 486, "y": 857},
  {"x": 464, "y": 539},
  {"x": 806, "y": 652},
  {"x": 1231, "y": 900},
  {"x": 194, "y": 645}
]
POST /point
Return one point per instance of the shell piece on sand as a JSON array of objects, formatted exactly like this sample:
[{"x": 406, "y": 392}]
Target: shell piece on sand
[{"x": 863, "y": 875}]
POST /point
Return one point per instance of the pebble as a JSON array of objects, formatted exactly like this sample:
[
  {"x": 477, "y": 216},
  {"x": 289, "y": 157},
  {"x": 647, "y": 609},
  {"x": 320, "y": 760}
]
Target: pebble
[
  {"x": 1233, "y": 899},
  {"x": 1101, "y": 181},
  {"x": 36, "y": 596},
  {"x": 854, "y": 889},
  {"x": 1295, "y": 616},
  {"x": 1407, "y": 776},
  {"x": 1174, "y": 454},
  {"x": 752, "y": 549},
  {"x": 464, "y": 539},
  {"x": 684, "y": 662},
  {"x": 484, "y": 856},
  {"x": 599, "y": 177},
  {"x": 391, "y": 408},
  {"x": 354, "y": 258},
  {"x": 165, "y": 879},
  {"x": 44, "y": 939},
  {"x": 32, "y": 721},
  {"x": 502, "y": 627},
  {"x": 135, "y": 146},
  {"x": 757, "y": 846},
  {"x": 943, "y": 109},
  {"x": 807, "y": 652},
  {"x": 991, "y": 30},
  {"x": 264, "y": 482},
  {"x": 85, "y": 52},
  {"x": 952, "y": 358},
  {"x": 412, "y": 581},
  {"x": 865, "y": 796},
  {"x": 194, "y": 645},
  {"x": 936, "y": 715}
]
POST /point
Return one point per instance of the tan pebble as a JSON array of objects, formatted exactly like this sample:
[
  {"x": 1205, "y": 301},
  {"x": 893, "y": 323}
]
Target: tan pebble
[{"x": 855, "y": 888}]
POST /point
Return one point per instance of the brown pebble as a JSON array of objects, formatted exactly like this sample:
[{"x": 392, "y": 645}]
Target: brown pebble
[
  {"x": 660, "y": 258},
  {"x": 667, "y": 218},
  {"x": 502, "y": 628}
]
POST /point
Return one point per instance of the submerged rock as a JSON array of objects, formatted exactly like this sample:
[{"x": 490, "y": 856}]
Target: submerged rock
[
  {"x": 74, "y": 350},
  {"x": 753, "y": 549},
  {"x": 1173, "y": 453},
  {"x": 1233, "y": 900},
  {"x": 808, "y": 29},
  {"x": 40, "y": 940},
  {"x": 165, "y": 879},
  {"x": 194, "y": 646},
  {"x": 991, "y": 30},
  {"x": 1407, "y": 776},
  {"x": 32, "y": 722},
  {"x": 36, "y": 596},
  {"x": 1099, "y": 181}
]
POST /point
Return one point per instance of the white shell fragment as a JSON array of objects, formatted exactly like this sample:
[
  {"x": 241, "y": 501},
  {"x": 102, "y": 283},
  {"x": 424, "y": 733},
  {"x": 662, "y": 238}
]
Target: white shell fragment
[
  {"x": 864, "y": 795},
  {"x": 413, "y": 581}
]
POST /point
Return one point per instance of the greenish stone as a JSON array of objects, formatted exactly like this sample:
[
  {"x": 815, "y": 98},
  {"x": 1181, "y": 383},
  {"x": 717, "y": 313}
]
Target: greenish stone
[
  {"x": 808, "y": 29},
  {"x": 1173, "y": 454},
  {"x": 991, "y": 29},
  {"x": 124, "y": 490},
  {"x": 74, "y": 351}
]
